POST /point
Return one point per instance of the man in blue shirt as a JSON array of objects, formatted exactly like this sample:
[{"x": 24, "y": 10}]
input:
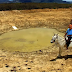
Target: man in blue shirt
[{"x": 69, "y": 35}]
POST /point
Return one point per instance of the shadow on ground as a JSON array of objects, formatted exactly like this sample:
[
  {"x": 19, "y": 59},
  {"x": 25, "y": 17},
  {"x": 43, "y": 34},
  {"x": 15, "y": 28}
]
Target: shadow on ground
[{"x": 65, "y": 57}]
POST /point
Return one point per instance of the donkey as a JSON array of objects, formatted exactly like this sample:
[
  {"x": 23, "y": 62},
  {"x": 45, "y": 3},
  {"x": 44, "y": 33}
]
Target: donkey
[{"x": 60, "y": 42}]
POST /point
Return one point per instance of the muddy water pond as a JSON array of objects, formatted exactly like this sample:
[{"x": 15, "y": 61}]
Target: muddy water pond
[{"x": 27, "y": 40}]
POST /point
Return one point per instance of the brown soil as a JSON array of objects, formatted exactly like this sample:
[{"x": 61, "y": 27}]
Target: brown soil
[
  {"x": 38, "y": 61},
  {"x": 50, "y": 18}
]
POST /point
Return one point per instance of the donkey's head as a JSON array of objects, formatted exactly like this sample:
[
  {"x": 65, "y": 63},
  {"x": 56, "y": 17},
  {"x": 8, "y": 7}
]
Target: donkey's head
[{"x": 54, "y": 38}]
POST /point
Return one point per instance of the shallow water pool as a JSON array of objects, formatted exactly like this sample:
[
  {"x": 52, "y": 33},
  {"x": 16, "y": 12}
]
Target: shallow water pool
[{"x": 27, "y": 40}]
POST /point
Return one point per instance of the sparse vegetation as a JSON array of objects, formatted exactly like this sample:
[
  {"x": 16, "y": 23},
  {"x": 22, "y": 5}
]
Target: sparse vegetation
[{"x": 25, "y": 6}]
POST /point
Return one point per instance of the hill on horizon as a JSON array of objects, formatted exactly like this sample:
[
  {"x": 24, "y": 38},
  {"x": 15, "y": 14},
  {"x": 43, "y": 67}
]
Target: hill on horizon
[{"x": 35, "y": 1}]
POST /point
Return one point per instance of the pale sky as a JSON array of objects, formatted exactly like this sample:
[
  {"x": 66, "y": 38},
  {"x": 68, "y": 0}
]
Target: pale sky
[{"x": 67, "y": 0}]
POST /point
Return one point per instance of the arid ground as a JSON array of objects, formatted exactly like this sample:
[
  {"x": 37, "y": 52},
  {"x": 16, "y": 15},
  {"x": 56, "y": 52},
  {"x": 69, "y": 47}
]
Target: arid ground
[{"x": 45, "y": 60}]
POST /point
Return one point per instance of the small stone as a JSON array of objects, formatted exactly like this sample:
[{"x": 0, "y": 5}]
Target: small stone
[
  {"x": 26, "y": 61},
  {"x": 18, "y": 66},
  {"x": 31, "y": 61},
  {"x": 40, "y": 50},
  {"x": 5, "y": 59},
  {"x": 29, "y": 68},
  {"x": 11, "y": 70},
  {"x": 59, "y": 69},
  {"x": 14, "y": 67},
  {"x": 19, "y": 69},
  {"x": 62, "y": 64},
  {"x": 26, "y": 64},
  {"x": 7, "y": 66}
]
